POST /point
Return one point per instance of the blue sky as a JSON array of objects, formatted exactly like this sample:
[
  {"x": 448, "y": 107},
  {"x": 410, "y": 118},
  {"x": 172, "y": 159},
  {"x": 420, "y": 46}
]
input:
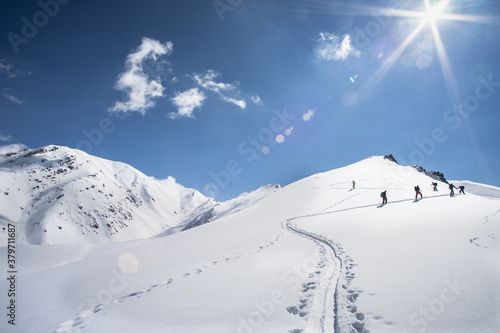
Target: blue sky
[{"x": 229, "y": 95}]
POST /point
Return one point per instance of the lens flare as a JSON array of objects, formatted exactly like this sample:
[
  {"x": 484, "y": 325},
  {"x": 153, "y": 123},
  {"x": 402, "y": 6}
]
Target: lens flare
[{"x": 434, "y": 13}]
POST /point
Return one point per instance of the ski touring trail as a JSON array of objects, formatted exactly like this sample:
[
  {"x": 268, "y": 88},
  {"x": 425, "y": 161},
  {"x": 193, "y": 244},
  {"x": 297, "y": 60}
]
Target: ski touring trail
[
  {"x": 323, "y": 316},
  {"x": 329, "y": 300}
]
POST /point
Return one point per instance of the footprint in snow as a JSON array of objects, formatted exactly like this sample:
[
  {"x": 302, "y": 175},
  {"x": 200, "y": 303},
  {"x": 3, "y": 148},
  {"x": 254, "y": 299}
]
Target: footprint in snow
[
  {"x": 360, "y": 316},
  {"x": 308, "y": 286},
  {"x": 353, "y": 297},
  {"x": 98, "y": 308},
  {"x": 292, "y": 310},
  {"x": 474, "y": 241},
  {"x": 359, "y": 326}
]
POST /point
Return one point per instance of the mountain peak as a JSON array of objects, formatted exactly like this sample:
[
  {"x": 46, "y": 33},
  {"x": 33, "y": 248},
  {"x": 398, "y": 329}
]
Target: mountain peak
[{"x": 390, "y": 158}]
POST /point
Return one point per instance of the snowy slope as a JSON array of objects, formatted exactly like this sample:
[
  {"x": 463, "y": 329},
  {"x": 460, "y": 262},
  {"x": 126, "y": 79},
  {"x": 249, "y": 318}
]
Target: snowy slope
[
  {"x": 244, "y": 200},
  {"x": 313, "y": 256},
  {"x": 202, "y": 216},
  {"x": 59, "y": 195},
  {"x": 478, "y": 189}
]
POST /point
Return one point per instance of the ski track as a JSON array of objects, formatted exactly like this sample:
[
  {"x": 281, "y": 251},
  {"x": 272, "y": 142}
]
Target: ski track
[
  {"x": 327, "y": 302},
  {"x": 324, "y": 306},
  {"x": 345, "y": 312}
]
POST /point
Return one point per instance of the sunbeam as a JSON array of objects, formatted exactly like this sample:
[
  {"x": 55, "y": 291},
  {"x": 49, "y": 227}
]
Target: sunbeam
[
  {"x": 481, "y": 19},
  {"x": 430, "y": 16},
  {"x": 449, "y": 78},
  {"x": 372, "y": 82}
]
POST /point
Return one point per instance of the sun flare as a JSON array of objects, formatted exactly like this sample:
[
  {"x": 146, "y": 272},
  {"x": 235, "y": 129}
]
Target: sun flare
[{"x": 435, "y": 12}]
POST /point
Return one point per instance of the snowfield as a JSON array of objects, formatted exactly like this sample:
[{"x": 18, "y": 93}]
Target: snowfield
[{"x": 313, "y": 256}]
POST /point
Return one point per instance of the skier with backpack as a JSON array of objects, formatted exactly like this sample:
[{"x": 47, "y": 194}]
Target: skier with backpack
[
  {"x": 451, "y": 187},
  {"x": 462, "y": 188},
  {"x": 384, "y": 197},
  {"x": 353, "y": 184},
  {"x": 435, "y": 185},
  {"x": 417, "y": 192}
]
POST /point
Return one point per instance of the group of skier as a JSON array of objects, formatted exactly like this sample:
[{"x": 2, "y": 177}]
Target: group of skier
[{"x": 419, "y": 192}]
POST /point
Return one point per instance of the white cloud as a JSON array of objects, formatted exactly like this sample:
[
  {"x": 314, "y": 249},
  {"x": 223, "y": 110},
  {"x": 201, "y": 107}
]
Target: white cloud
[
  {"x": 11, "y": 97},
  {"x": 239, "y": 102},
  {"x": 5, "y": 137},
  {"x": 10, "y": 71},
  {"x": 13, "y": 148},
  {"x": 331, "y": 49},
  {"x": 7, "y": 69},
  {"x": 256, "y": 99},
  {"x": 186, "y": 102},
  {"x": 207, "y": 81},
  {"x": 140, "y": 88}
]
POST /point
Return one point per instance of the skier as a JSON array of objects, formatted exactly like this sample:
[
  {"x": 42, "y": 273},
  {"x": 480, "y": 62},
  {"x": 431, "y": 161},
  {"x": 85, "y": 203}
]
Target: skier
[
  {"x": 435, "y": 186},
  {"x": 353, "y": 184},
  {"x": 462, "y": 188},
  {"x": 417, "y": 192},
  {"x": 384, "y": 197},
  {"x": 451, "y": 187}
]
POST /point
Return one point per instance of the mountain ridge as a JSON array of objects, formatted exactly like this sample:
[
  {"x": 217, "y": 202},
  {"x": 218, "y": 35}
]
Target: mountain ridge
[{"x": 62, "y": 195}]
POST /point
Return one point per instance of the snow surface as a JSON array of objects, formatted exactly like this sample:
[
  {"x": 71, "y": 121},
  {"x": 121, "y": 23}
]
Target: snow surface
[
  {"x": 313, "y": 256},
  {"x": 478, "y": 189}
]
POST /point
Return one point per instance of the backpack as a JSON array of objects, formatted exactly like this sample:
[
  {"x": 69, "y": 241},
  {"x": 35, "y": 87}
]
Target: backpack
[{"x": 417, "y": 188}]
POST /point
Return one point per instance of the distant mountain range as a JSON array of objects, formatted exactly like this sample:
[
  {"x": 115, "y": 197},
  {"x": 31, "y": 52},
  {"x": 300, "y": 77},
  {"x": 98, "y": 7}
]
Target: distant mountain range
[{"x": 59, "y": 195}]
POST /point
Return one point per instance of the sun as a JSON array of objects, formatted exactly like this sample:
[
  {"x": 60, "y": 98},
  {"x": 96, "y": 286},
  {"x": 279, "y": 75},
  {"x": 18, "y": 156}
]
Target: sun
[{"x": 433, "y": 13}]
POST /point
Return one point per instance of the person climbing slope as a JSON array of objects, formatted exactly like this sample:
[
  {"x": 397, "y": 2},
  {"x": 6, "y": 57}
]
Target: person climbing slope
[
  {"x": 451, "y": 187},
  {"x": 353, "y": 184},
  {"x": 435, "y": 186},
  {"x": 384, "y": 197},
  {"x": 417, "y": 192},
  {"x": 462, "y": 188}
]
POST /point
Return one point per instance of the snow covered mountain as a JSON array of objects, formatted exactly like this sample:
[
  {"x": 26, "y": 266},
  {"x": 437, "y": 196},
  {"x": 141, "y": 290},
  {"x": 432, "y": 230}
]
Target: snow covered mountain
[
  {"x": 59, "y": 195},
  {"x": 313, "y": 256}
]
